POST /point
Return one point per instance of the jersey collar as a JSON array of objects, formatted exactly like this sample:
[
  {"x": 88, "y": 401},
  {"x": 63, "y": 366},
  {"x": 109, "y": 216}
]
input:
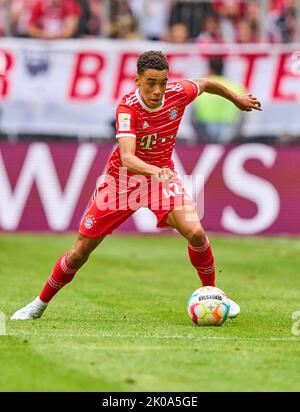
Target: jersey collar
[{"x": 137, "y": 93}]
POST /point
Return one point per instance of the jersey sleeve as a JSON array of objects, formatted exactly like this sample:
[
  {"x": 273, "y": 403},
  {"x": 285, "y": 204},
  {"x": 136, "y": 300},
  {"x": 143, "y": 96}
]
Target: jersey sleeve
[
  {"x": 35, "y": 13},
  {"x": 191, "y": 90},
  {"x": 125, "y": 122},
  {"x": 72, "y": 9}
]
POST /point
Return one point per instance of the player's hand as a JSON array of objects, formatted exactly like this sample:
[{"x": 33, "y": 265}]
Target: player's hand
[
  {"x": 164, "y": 175},
  {"x": 247, "y": 103},
  {"x": 48, "y": 36}
]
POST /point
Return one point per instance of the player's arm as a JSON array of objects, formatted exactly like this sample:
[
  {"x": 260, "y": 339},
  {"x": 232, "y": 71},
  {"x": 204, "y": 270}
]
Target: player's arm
[
  {"x": 35, "y": 32},
  {"x": 135, "y": 165},
  {"x": 246, "y": 102},
  {"x": 70, "y": 27}
]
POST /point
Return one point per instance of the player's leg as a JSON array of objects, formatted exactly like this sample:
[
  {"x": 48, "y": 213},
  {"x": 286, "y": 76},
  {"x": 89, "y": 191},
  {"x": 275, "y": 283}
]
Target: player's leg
[
  {"x": 67, "y": 265},
  {"x": 176, "y": 209},
  {"x": 62, "y": 274},
  {"x": 187, "y": 222},
  {"x": 98, "y": 221}
]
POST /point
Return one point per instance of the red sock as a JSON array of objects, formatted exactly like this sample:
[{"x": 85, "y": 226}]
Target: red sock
[
  {"x": 60, "y": 276},
  {"x": 202, "y": 259}
]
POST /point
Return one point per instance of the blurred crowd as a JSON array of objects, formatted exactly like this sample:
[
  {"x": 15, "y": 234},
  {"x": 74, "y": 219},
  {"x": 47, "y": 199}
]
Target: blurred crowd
[{"x": 178, "y": 21}]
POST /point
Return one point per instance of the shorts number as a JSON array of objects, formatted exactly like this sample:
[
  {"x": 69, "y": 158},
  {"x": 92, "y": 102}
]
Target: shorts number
[{"x": 172, "y": 193}]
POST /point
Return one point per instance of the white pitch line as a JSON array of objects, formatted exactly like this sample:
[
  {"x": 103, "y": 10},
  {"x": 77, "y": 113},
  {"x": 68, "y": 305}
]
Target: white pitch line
[{"x": 112, "y": 335}]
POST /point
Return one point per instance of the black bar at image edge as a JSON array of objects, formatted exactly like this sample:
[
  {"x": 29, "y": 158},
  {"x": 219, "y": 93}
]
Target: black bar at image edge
[{"x": 90, "y": 401}]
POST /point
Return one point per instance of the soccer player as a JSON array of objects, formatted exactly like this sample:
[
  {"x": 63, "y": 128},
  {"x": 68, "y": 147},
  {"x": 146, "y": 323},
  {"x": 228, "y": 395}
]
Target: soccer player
[{"x": 140, "y": 173}]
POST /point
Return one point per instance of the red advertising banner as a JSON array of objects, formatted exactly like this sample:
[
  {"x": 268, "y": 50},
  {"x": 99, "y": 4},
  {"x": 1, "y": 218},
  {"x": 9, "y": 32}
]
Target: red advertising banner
[{"x": 248, "y": 189}]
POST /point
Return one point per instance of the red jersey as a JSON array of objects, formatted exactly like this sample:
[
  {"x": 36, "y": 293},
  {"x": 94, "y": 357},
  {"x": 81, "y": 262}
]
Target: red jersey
[
  {"x": 51, "y": 17},
  {"x": 155, "y": 130}
]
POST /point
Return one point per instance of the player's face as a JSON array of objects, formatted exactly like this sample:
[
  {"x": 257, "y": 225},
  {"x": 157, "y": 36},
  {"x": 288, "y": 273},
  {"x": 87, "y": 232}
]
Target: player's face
[{"x": 152, "y": 84}]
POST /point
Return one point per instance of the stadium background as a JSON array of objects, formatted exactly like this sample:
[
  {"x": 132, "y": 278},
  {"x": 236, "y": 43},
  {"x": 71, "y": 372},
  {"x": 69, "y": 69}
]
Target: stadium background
[{"x": 58, "y": 95}]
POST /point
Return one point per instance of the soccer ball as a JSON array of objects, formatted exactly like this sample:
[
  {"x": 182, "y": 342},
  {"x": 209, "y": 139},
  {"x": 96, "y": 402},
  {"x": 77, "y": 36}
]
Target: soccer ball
[{"x": 208, "y": 306}]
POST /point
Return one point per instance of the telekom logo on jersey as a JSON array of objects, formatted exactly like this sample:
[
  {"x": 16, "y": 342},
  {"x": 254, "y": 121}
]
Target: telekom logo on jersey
[{"x": 38, "y": 170}]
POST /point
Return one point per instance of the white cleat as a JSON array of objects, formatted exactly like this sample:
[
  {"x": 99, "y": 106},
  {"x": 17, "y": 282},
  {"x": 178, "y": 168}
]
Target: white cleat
[
  {"x": 234, "y": 310},
  {"x": 30, "y": 311}
]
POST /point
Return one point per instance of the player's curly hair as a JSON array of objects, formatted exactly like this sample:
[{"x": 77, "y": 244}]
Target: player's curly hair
[{"x": 152, "y": 60}]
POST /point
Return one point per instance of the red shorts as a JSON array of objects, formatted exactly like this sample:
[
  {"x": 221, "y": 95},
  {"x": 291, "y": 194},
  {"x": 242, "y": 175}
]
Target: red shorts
[{"x": 114, "y": 201}]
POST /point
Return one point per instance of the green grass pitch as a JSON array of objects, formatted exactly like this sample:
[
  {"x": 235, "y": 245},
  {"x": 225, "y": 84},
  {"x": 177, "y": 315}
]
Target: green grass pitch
[{"x": 122, "y": 324}]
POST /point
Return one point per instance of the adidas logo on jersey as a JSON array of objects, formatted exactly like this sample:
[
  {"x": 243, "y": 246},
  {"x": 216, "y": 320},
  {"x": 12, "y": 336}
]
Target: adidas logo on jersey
[{"x": 145, "y": 125}]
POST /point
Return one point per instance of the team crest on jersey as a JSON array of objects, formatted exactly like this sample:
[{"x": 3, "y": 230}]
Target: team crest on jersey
[
  {"x": 173, "y": 113},
  {"x": 89, "y": 221}
]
